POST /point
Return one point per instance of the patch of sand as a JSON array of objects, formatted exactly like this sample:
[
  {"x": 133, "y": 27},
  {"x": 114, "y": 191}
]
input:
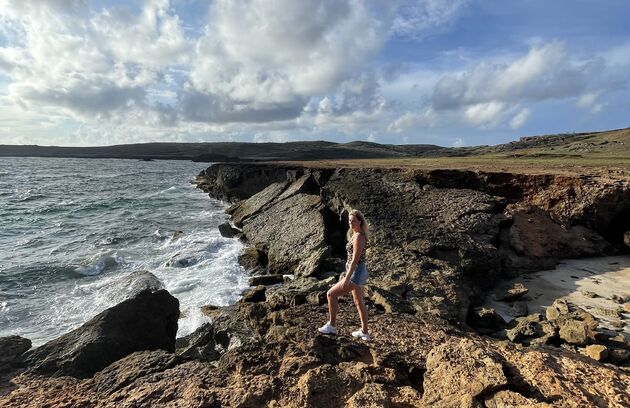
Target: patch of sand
[{"x": 577, "y": 281}]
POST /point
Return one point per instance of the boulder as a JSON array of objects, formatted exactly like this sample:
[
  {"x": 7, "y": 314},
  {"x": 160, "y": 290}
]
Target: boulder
[
  {"x": 253, "y": 260},
  {"x": 298, "y": 292},
  {"x": 516, "y": 291},
  {"x": 559, "y": 307},
  {"x": 199, "y": 344},
  {"x": 485, "y": 319},
  {"x": 519, "y": 309},
  {"x": 596, "y": 352},
  {"x": 526, "y": 328},
  {"x": 147, "y": 321},
  {"x": 626, "y": 238},
  {"x": 574, "y": 331},
  {"x": 226, "y": 230},
  {"x": 13, "y": 348}
]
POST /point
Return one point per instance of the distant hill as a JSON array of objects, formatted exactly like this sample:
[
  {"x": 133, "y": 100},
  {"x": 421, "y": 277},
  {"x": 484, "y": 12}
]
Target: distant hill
[{"x": 608, "y": 144}]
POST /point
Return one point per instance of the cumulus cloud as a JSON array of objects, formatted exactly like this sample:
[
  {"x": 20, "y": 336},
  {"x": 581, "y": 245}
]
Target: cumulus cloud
[
  {"x": 520, "y": 118},
  {"x": 90, "y": 64},
  {"x": 268, "y": 58},
  {"x": 408, "y": 120},
  {"x": 546, "y": 72},
  {"x": 490, "y": 94}
]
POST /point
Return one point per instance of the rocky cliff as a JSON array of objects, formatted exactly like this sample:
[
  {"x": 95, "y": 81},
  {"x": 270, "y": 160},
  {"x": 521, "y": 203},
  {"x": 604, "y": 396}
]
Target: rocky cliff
[
  {"x": 438, "y": 238},
  {"x": 439, "y": 241}
]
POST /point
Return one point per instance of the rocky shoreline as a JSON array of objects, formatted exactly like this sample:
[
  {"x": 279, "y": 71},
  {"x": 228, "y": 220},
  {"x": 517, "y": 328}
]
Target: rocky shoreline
[{"x": 441, "y": 241}]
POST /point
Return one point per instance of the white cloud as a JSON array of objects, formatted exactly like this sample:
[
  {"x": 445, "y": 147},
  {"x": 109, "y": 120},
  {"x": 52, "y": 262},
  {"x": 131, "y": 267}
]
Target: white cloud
[
  {"x": 485, "y": 114},
  {"x": 520, "y": 118},
  {"x": 408, "y": 120},
  {"x": 459, "y": 142},
  {"x": 420, "y": 18},
  {"x": 488, "y": 93},
  {"x": 267, "y": 58}
]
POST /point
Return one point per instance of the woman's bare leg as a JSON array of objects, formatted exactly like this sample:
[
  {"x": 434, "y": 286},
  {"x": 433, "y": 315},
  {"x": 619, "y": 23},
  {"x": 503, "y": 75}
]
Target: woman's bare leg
[
  {"x": 359, "y": 301},
  {"x": 333, "y": 305}
]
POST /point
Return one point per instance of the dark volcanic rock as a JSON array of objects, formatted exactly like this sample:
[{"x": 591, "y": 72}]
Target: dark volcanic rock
[
  {"x": 13, "y": 348},
  {"x": 233, "y": 182},
  {"x": 227, "y": 231},
  {"x": 146, "y": 322}
]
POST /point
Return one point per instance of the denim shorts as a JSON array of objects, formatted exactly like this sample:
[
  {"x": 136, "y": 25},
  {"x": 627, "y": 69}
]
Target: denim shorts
[{"x": 360, "y": 275}]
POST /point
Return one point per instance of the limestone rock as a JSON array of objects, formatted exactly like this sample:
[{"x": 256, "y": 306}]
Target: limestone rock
[
  {"x": 298, "y": 292},
  {"x": 526, "y": 328},
  {"x": 389, "y": 301},
  {"x": 370, "y": 396},
  {"x": 574, "y": 331},
  {"x": 513, "y": 293},
  {"x": 559, "y": 307},
  {"x": 596, "y": 352},
  {"x": 519, "y": 309},
  {"x": 147, "y": 321},
  {"x": 510, "y": 399},
  {"x": 485, "y": 319},
  {"x": 450, "y": 363},
  {"x": 253, "y": 260},
  {"x": 618, "y": 356},
  {"x": 199, "y": 344}
]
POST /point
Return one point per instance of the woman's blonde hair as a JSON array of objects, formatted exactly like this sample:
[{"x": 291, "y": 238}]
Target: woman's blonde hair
[{"x": 364, "y": 224}]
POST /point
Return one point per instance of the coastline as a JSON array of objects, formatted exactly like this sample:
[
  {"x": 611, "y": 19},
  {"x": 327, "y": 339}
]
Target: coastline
[{"x": 463, "y": 232}]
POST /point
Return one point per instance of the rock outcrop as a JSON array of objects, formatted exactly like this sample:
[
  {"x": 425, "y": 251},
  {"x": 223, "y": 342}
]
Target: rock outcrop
[
  {"x": 147, "y": 321},
  {"x": 438, "y": 239}
]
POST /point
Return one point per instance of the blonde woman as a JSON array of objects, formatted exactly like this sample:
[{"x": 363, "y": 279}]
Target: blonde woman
[{"x": 354, "y": 280}]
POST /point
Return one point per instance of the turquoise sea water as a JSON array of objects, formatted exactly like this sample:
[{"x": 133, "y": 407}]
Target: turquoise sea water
[{"x": 71, "y": 229}]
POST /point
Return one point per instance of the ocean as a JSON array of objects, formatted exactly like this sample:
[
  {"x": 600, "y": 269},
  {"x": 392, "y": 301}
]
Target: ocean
[{"x": 72, "y": 229}]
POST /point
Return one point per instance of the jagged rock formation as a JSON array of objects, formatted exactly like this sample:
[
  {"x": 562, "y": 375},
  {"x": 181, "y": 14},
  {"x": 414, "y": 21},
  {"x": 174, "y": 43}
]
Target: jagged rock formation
[
  {"x": 148, "y": 321},
  {"x": 439, "y": 238}
]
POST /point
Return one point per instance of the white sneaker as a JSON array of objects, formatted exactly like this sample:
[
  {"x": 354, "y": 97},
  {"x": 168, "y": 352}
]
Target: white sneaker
[
  {"x": 327, "y": 329},
  {"x": 360, "y": 335}
]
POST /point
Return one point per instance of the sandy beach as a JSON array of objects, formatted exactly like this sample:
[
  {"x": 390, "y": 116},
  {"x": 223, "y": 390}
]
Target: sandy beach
[{"x": 600, "y": 286}]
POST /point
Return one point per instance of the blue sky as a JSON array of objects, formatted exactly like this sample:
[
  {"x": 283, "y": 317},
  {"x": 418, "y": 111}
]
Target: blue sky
[{"x": 452, "y": 73}]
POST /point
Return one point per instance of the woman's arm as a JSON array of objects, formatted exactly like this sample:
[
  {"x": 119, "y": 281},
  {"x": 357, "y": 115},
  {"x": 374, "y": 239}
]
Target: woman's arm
[{"x": 358, "y": 242}]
